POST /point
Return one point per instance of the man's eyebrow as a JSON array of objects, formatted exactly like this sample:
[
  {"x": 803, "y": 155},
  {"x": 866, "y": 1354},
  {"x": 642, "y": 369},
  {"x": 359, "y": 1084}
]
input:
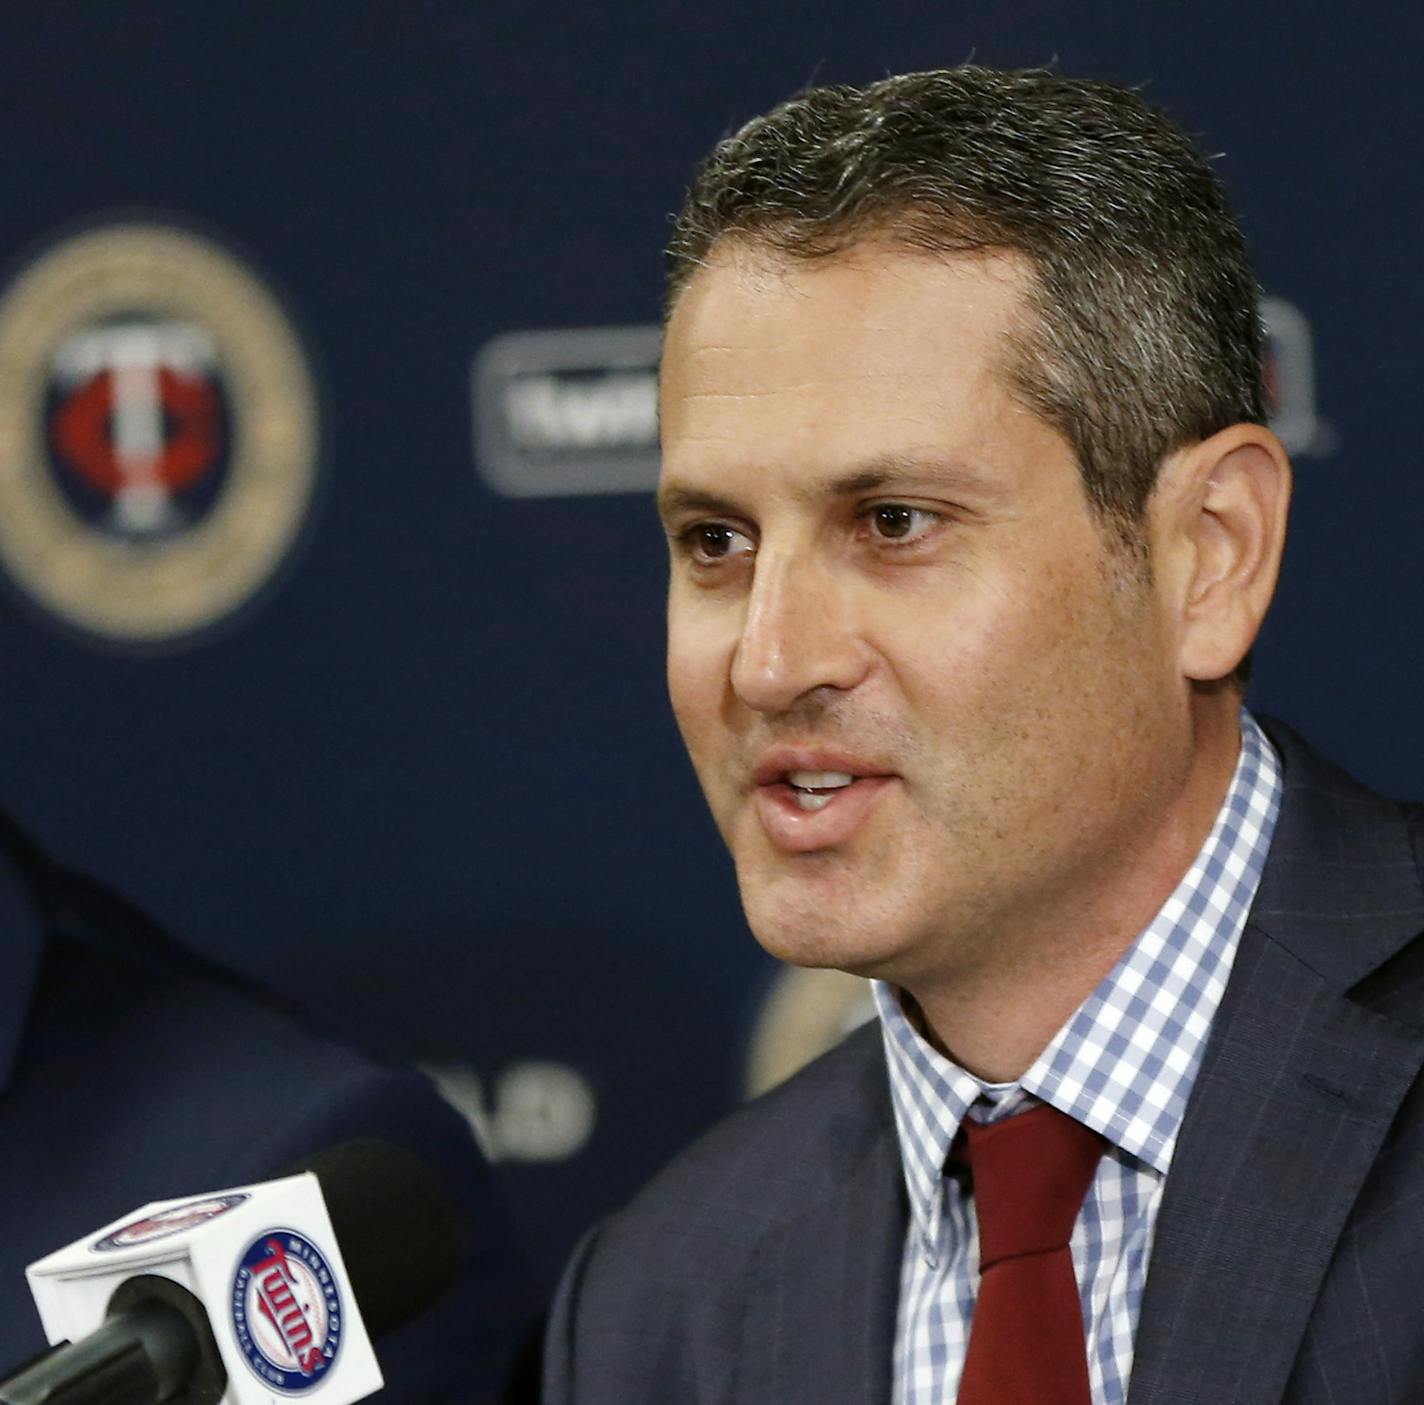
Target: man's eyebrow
[
  {"x": 882, "y": 471},
  {"x": 893, "y": 470},
  {"x": 674, "y": 500}
]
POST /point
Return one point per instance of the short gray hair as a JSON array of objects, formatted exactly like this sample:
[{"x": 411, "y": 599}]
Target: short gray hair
[{"x": 1148, "y": 334}]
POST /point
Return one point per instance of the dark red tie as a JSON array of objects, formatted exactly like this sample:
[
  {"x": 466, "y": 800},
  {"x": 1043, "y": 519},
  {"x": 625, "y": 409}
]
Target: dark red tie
[{"x": 1031, "y": 1172}]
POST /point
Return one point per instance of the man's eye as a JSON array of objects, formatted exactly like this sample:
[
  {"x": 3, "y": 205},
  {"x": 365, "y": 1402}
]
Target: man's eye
[
  {"x": 714, "y": 541},
  {"x": 893, "y": 521}
]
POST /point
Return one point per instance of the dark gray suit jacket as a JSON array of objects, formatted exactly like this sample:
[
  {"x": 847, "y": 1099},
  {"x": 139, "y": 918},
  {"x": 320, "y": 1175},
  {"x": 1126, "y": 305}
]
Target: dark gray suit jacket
[{"x": 762, "y": 1267}]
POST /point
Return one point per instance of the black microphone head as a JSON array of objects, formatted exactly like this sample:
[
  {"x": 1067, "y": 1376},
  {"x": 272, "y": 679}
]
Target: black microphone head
[{"x": 402, "y": 1241}]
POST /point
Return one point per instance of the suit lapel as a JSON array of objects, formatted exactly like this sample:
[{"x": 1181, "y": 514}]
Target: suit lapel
[
  {"x": 1299, "y": 1085},
  {"x": 1283, "y": 1127},
  {"x": 819, "y": 1320}
]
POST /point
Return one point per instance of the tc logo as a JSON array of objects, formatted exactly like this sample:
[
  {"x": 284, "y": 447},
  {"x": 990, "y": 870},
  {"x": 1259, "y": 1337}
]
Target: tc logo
[
  {"x": 158, "y": 433},
  {"x": 139, "y": 418}
]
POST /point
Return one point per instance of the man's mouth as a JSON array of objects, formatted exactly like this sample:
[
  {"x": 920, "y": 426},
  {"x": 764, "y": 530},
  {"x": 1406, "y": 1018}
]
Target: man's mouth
[
  {"x": 810, "y": 798},
  {"x": 813, "y": 790}
]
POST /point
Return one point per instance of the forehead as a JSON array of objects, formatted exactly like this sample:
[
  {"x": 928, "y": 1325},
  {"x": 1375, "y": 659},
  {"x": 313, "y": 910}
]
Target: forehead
[{"x": 872, "y": 352}]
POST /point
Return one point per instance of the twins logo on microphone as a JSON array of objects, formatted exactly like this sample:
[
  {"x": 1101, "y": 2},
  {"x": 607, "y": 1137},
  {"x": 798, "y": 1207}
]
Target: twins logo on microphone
[
  {"x": 286, "y": 1311},
  {"x": 174, "y": 1220}
]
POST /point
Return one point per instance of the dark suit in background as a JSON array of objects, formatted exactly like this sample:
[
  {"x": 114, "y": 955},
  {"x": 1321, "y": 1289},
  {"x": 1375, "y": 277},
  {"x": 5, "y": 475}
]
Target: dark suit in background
[
  {"x": 764, "y": 1265},
  {"x": 131, "y": 1072}
]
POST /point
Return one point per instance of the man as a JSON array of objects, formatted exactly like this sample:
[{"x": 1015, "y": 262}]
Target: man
[
  {"x": 974, "y": 517},
  {"x": 130, "y": 1072}
]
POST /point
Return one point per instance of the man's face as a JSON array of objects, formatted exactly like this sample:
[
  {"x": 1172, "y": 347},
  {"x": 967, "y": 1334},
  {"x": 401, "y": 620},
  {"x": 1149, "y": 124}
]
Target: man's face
[{"x": 931, "y": 706}]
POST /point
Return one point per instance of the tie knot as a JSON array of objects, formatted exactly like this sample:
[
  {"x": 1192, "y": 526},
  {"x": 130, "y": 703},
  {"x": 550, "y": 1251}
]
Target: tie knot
[{"x": 1031, "y": 1172}]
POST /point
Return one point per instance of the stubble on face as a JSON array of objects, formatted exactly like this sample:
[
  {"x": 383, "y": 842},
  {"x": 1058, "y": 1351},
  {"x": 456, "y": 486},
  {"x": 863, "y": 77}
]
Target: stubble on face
[{"x": 1013, "y": 675}]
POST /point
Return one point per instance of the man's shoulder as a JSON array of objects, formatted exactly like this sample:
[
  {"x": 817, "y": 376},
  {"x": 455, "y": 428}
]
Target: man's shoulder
[
  {"x": 774, "y": 1152},
  {"x": 655, "y": 1302},
  {"x": 1326, "y": 812},
  {"x": 1343, "y": 884},
  {"x": 1348, "y": 800}
]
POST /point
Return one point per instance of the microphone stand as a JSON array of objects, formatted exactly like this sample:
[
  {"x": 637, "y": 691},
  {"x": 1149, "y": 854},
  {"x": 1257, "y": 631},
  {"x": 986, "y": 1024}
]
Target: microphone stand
[{"x": 155, "y": 1346}]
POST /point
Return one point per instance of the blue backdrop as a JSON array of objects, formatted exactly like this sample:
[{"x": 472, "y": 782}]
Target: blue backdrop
[{"x": 424, "y": 781}]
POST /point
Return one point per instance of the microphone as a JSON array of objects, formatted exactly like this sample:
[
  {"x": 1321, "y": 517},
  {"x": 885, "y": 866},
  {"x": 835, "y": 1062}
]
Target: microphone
[
  {"x": 229, "y": 1298},
  {"x": 401, "y": 1237}
]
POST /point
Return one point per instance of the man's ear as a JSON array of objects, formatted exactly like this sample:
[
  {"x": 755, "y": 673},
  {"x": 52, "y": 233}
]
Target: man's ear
[{"x": 1219, "y": 527}]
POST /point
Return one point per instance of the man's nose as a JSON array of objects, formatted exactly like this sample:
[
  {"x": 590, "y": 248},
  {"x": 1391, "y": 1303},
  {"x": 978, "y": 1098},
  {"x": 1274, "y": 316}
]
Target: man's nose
[{"x": 798, "y": 635}]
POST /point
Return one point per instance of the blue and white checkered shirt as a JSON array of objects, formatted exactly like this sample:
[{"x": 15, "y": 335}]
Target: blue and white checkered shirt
[{"x": 1123, "y": 1064}]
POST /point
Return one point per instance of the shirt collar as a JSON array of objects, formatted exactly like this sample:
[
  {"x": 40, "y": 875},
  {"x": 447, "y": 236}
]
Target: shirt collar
[{"x": 1125, "y": 1061}]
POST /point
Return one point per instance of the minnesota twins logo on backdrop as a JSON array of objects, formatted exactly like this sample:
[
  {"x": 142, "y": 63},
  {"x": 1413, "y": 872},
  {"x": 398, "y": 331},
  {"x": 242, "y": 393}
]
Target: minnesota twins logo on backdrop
[
  {"x": 137, "y": 425},
  {"x": 286, "y": 1311},
  {"x": 157, "y": 432}
]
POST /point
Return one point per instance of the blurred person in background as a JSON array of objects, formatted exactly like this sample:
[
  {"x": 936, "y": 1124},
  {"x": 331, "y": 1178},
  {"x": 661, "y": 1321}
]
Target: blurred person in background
[{"x": 131, "y": 1071}]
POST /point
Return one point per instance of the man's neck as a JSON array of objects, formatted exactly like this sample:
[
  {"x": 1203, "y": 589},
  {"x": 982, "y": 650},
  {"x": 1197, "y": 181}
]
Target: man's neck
[{"x": 995, "y": 1018}]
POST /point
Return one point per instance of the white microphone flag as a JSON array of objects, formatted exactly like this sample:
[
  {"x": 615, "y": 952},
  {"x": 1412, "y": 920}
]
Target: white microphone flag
[{"x": 263, "y": 1261}]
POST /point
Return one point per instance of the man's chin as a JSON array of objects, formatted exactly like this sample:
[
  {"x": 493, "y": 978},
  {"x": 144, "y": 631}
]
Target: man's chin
[
  {"x": 830, "y": 910},
  {"x": 818, "y": 941}
]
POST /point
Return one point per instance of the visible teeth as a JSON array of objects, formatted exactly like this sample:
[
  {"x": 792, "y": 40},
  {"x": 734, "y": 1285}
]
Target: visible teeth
[
  {"x": 818, "y": 780},
  {"x": 807, "y": 800}
]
